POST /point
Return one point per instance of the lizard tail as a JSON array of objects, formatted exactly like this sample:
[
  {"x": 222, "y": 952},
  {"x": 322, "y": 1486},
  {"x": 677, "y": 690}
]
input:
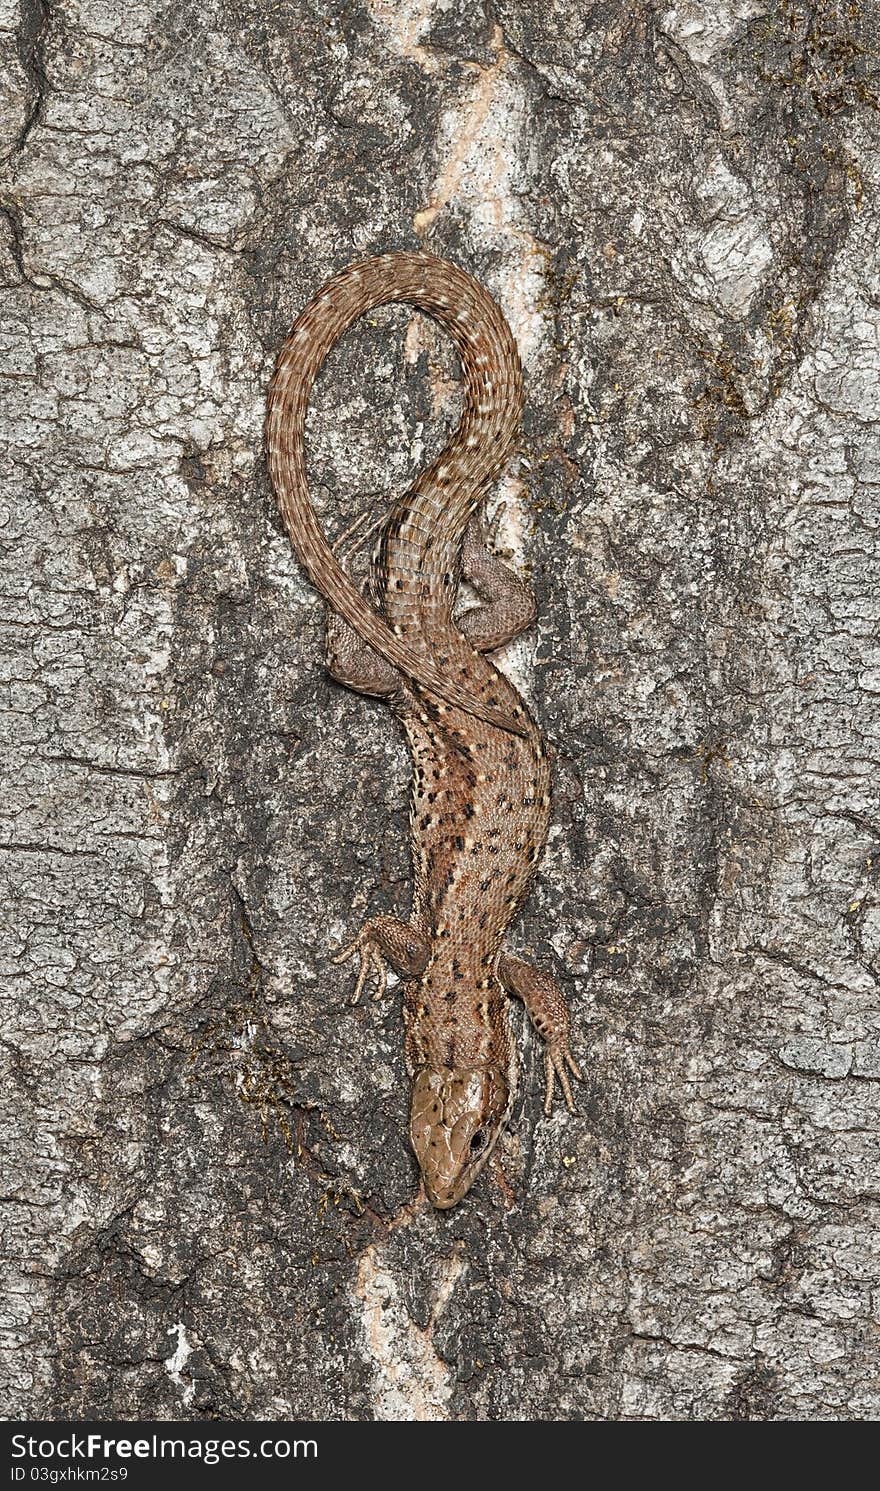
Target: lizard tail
[{"x": 483, "y": 338}]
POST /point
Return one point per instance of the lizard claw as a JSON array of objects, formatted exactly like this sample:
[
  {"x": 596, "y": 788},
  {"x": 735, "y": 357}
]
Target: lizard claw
[
  {"x": 556, "y": 1058},
  {"x": 353, "y": 538},
  {"x": 371, "y": 962}
]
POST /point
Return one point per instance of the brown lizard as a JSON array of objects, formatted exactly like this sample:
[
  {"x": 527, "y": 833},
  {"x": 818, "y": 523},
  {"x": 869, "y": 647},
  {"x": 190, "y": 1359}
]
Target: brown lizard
[{"x": 481, "y": 780}]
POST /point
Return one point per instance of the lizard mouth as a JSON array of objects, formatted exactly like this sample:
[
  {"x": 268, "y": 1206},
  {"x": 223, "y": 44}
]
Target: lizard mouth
[{"x": 457, "y": 1115}]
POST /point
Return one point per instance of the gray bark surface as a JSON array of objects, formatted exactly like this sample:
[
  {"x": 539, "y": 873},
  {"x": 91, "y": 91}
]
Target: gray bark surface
[{"x": 207, "y": 1186}]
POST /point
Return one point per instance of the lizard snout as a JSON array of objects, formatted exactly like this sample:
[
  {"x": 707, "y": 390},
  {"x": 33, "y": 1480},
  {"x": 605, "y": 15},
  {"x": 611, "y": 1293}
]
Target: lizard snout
[{"x": 457, "y": 1114}]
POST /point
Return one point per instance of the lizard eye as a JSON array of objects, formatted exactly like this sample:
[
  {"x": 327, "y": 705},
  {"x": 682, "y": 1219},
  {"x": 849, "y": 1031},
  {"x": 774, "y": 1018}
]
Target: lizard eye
[{"x": 478, "y": 1141}]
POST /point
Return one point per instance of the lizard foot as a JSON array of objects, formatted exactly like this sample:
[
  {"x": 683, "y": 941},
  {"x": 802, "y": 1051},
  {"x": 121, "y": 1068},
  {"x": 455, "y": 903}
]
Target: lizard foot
[
  {"x": 548, "y": 1012},
  {"x": 372, "y": 962},
  {"x": 557, "y": 1057}
]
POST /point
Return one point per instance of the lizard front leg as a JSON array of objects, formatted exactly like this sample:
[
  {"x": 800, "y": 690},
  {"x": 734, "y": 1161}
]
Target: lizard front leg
[
  {"x": 380, "y": 941},
  {"x": 546, "y": 1008}
]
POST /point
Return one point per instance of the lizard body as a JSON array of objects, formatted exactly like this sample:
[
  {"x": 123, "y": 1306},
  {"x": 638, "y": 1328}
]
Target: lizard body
[{"x": 481, "y": 782}]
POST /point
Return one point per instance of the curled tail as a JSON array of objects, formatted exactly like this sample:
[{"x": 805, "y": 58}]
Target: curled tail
[{"x": 488, "y": 429}]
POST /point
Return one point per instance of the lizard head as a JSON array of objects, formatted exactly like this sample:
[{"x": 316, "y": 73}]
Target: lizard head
[{"x": 456, "y": 1117}]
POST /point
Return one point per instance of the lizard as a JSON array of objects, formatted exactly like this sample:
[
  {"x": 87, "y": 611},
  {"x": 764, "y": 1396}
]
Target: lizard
[{"x": 480, "y": 797}]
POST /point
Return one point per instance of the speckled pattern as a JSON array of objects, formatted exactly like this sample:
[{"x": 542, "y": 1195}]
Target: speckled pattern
[{"x": 481, "y": 778}]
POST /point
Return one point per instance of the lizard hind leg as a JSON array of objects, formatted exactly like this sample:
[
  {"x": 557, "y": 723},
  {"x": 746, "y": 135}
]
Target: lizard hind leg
[
  {"x": 547, "y": 1009},
  {"x": 508, "y": 605},
  {"x": 348, "y": 658}
]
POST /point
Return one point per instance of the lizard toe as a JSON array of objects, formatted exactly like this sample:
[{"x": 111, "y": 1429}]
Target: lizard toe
[{"x": 557, "y": 1058}]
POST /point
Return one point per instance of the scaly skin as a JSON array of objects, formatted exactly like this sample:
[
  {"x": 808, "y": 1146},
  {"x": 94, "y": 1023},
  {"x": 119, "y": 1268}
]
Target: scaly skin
[{"x": 481, "y": 781}]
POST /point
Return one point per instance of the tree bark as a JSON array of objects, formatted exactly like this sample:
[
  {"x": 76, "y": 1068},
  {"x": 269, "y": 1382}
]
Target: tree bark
[{"x": 208, "y": 1190}]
